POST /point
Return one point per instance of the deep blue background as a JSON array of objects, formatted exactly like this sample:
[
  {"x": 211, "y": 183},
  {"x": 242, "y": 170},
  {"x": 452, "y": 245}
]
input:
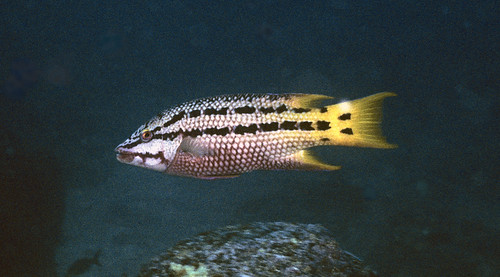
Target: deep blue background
[{"x": 78, "y": 77}]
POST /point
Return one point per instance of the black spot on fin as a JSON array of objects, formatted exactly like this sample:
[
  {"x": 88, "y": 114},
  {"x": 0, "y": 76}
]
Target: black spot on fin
[
  {"x": 347, "y": 131},
  {"x": 346, "y": 116}
]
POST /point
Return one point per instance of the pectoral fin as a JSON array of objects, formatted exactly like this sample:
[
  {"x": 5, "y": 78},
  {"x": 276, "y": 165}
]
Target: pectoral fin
[{"x": 195, "y": 147}]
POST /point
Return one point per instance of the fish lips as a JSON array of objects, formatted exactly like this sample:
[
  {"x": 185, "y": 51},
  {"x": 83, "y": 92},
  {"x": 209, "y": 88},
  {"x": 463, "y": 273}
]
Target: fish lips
[{"x": 124, "y": 155}]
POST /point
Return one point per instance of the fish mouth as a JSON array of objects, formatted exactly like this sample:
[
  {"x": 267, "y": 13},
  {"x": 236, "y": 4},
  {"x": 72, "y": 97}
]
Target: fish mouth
[{"x": 124, "y": 156}]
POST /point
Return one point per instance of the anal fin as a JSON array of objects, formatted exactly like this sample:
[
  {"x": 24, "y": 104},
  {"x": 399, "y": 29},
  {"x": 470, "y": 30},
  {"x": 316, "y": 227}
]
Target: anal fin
[
  {"x": 305, "y": 160},
  {"x": 214, "y": 177}
]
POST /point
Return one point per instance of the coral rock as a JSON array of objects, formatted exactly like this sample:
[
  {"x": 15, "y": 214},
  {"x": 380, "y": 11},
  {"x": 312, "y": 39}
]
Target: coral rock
[{"x": 259, "y": 249}]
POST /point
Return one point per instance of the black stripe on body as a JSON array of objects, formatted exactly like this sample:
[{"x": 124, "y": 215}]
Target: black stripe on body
[
  {"x": 154, "y": 130},
  {"x": 300, "y": 110},
  {"x": 240, "y": 129},
  {"x": 306, "y": 126},
  {"x": 211, "y": 108},
  {"x": 289, "y": 125},
  {"x": 217, "y": 131},
  {"x": 267, "y": 110},
  {"x": 245, "y": 110},
  {"x": 174, "y": 119},
  {"x": 269, "y": 127},
  {"x": 130, "y": 145},
  {"x": 193, "y": 133},
  {"x": 323, "y": 110},
  {"x": 139, "y": 141},
  {"x": 323, "y": 125},
  {"x": 171, "y": 135},
  {"x": 194, "y": 113},
  {"x": 281, "y": 109},
  {"x": 210, "y": 111}
]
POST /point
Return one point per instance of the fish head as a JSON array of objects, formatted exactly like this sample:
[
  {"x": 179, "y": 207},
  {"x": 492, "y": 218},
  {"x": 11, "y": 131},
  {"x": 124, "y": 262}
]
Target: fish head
[{"x": 151, "y": 146}]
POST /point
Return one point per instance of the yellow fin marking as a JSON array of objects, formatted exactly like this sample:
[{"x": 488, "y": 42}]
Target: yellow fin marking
[
  {"x": 363, "y": 127},
  {"x": 308, "y": 161},
  {"x": 306, "y": 100}
]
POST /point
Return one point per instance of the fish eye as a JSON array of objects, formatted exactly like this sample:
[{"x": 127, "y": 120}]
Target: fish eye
[{"x": 146, "y": 135}]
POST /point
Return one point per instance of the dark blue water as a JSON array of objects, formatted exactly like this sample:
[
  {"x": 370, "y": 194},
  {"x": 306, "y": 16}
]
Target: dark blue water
[{"x": 77, "y": 78}]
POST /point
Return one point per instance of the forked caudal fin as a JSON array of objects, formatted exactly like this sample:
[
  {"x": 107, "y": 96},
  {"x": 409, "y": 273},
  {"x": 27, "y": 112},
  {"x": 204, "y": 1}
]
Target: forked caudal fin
[{"x": 357, "y": 122}]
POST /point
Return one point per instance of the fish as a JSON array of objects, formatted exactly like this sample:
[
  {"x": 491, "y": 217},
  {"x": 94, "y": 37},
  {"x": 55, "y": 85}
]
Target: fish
[
  {"x": 225, "y": 136},
  {"x": 83, "y": 265}
]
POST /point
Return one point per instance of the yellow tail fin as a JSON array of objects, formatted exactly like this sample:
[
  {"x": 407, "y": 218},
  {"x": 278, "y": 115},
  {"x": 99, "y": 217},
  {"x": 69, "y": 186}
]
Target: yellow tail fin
[{"x": 357, "y": 122}]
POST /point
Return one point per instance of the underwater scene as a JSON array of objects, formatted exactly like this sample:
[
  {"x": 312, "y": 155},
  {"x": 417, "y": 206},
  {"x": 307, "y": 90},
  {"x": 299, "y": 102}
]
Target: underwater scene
[{"x": 250, "y": 138}]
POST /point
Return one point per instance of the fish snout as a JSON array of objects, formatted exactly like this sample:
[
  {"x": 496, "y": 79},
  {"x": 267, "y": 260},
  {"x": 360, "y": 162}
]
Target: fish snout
[{"x": 124, "y": 155}]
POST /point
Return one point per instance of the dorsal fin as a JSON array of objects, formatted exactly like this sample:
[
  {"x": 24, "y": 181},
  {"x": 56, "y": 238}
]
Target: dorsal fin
[{"x": 299, "y": 100}]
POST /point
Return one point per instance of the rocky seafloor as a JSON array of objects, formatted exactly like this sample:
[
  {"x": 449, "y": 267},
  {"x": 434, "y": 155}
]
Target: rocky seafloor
[{"x": 259, "y": 249}]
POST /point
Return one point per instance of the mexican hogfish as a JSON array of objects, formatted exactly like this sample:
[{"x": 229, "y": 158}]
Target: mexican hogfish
[{"x": 224, "y": 136}]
